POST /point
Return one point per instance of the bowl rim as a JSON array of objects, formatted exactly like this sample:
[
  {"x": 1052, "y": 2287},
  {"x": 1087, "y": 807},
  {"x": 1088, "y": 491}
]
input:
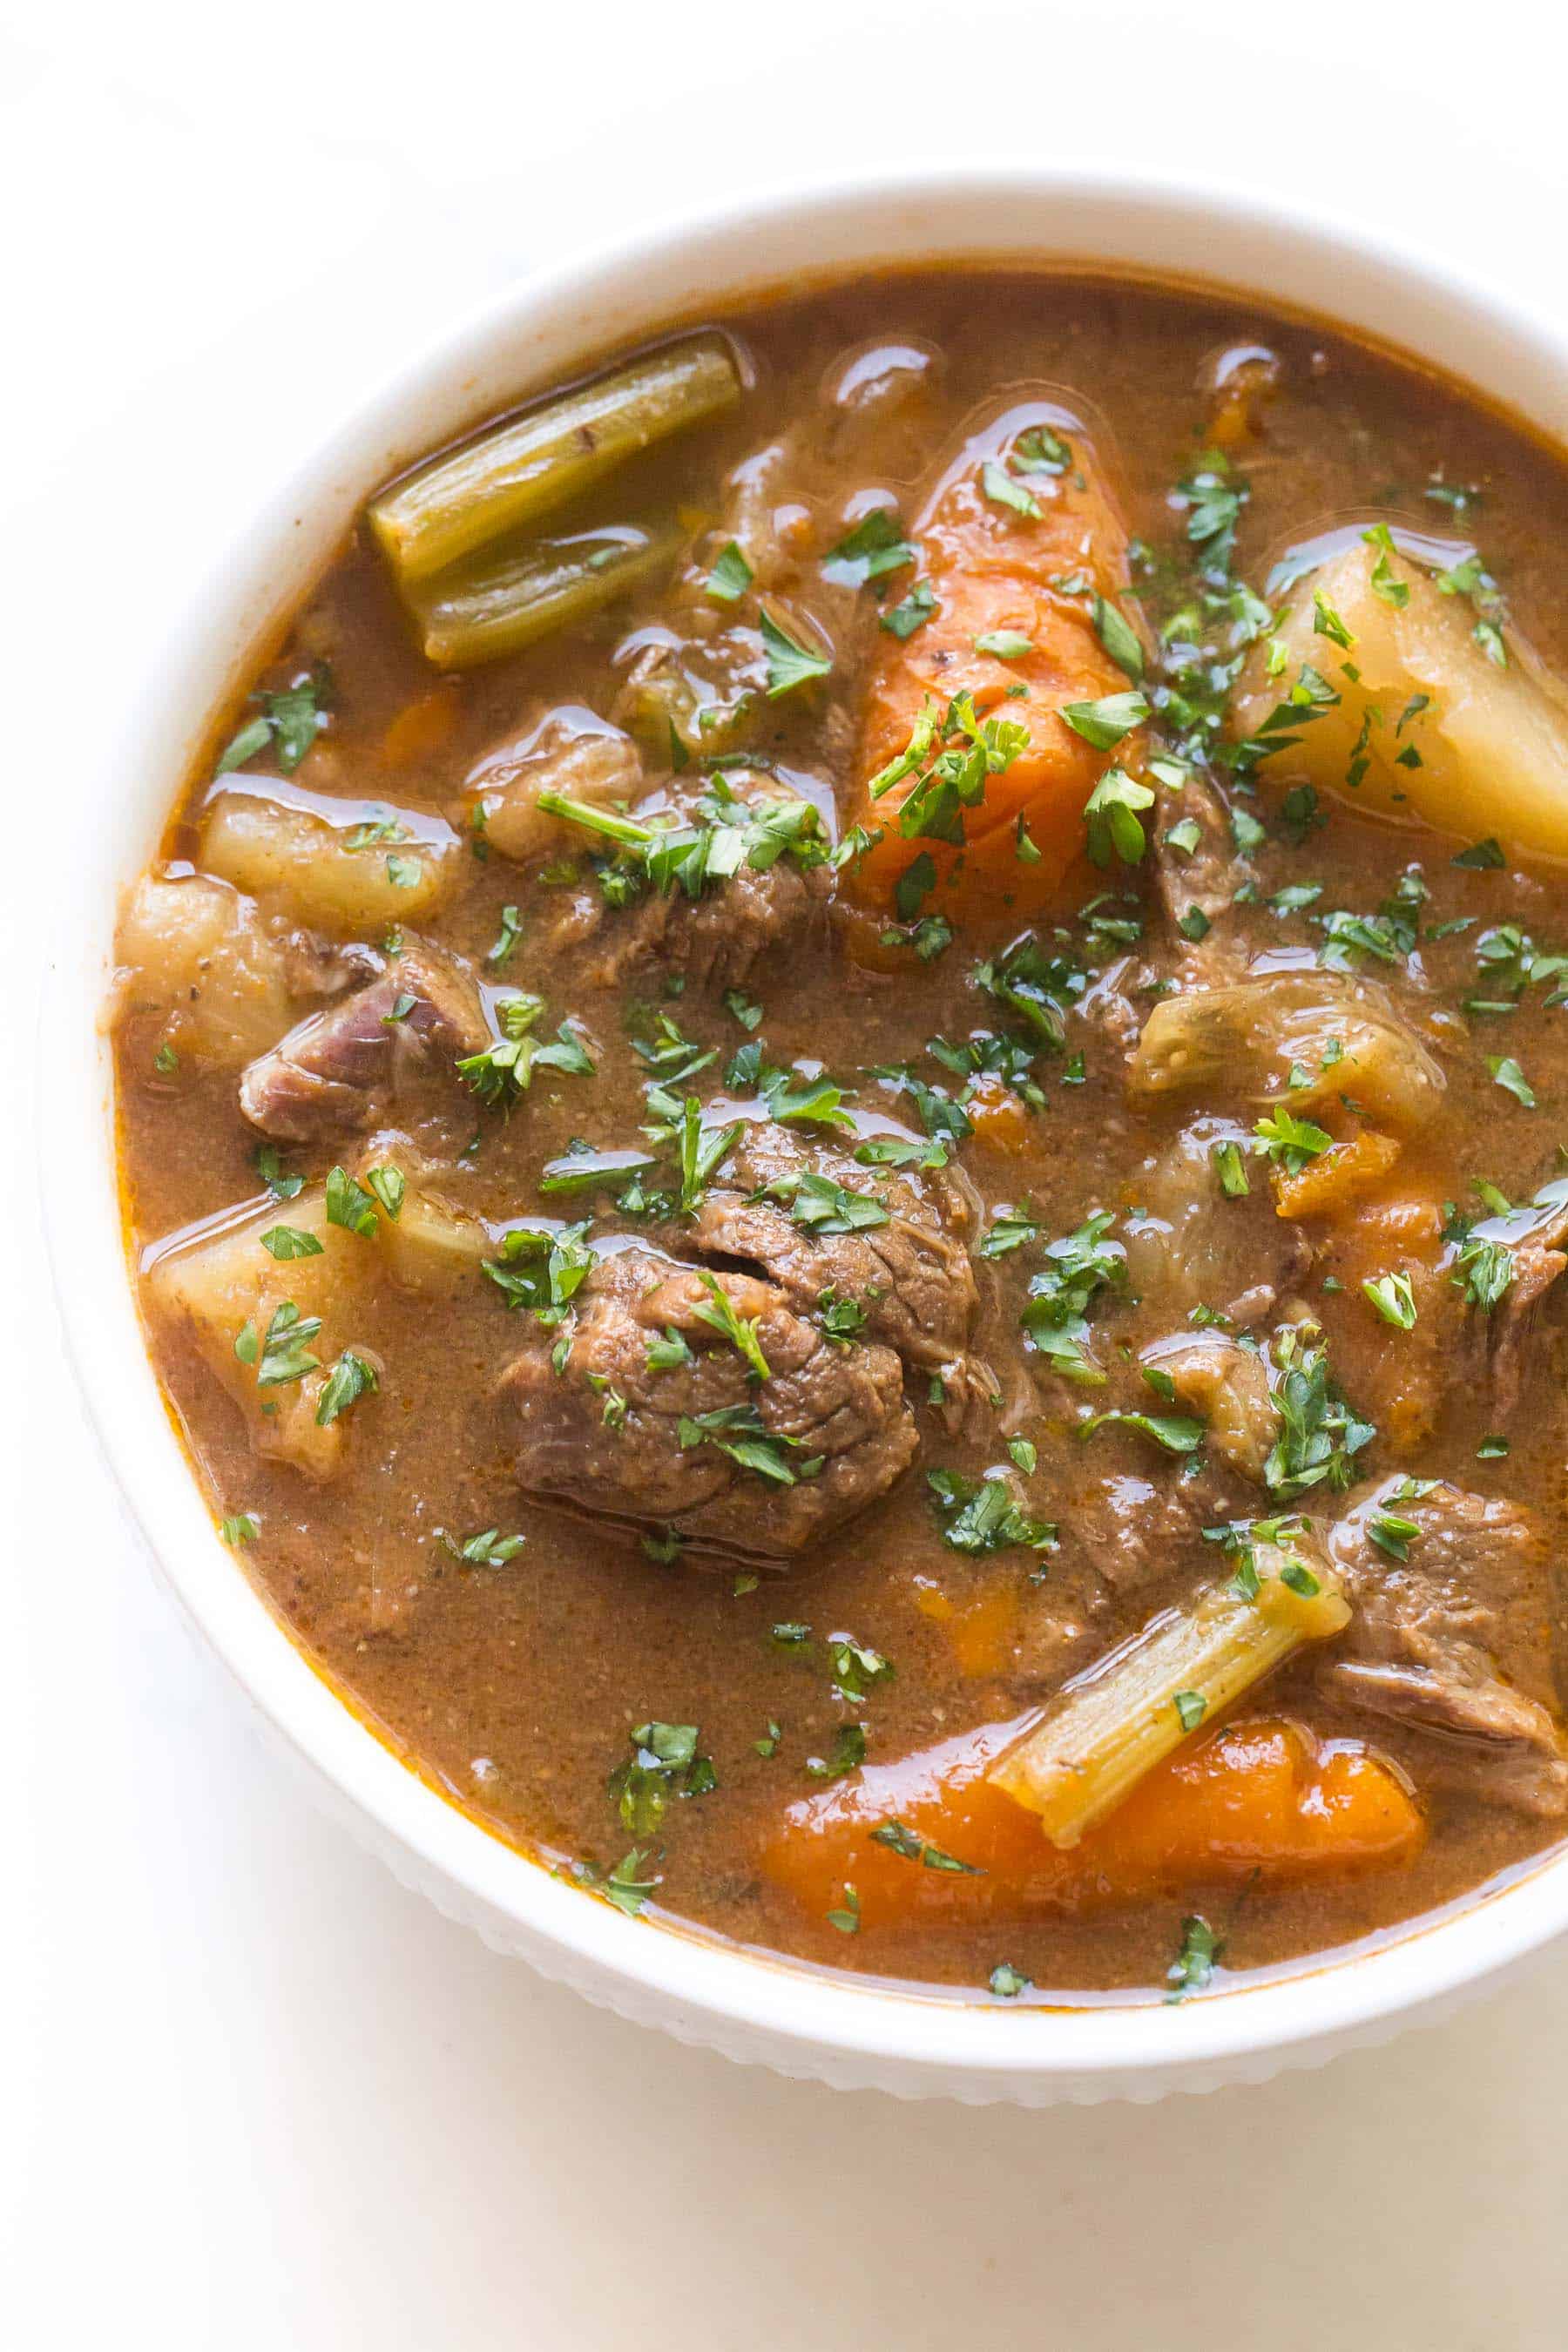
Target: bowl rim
[{"x": 755, "y": 2003}]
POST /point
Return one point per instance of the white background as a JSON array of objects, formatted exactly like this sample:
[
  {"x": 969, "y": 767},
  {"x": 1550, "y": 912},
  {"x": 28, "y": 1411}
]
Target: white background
[{"x": 251, "y": 2094}]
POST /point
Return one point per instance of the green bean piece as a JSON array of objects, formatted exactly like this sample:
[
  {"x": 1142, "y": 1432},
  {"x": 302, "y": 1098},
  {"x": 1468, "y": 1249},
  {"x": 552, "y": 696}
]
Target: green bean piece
[
  {"x": 523, "y": 468},
  {"x": 509, "y": 598}
]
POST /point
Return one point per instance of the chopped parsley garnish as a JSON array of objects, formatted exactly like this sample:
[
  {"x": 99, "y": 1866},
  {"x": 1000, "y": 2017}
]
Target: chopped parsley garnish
[
  {"x": 285, "y": 1242},
  {"x": 720, "y": 1313},
  {"x": 846, "y": 1754},
  {"x": 1176, "y": 1432},
  {"x": 350, "y": 1379},
  {"x": 1112, "y": 814},
  {"x": 791, "y": 664},
  {"x": 284, "y": 1354},
  {"x": 854, "y": 1668},
  {"x": 1105, "y": 722},
  {"x": 488, "y": 1548},
  {"x": 739, "y": 1431},
  {"x": 542, "y": 1271},
  {"x": 1076, "y": 1268},
  {"x": 1192, "y": 1968},
  {"x": 503, "y": 1071},
  {"x": 730, "y": 576},
  {"x": 997, "y": 485},
  {"x": 824, "y": 1207},
  {"x": 901, "y": 619},
  {"x": 845, "y": 1915},
  {"x": 703, "y": 1150},
  {"x": 1320, "y": 1436},
  {"x": 269, "y": 1168},
  {"x": 664, "y": 1763},
  {"x": 841, "y": 1321},
  {"x": 289, "y": 723},
  {"x": 351, "y": 1206},
  {"x": 622, "y": 1887},
  {"x": 1392, "y": 1296},
  {"x": 1507, "y": 1074},
  {"x": 1291, "y": 1141},
  {"x": 507, "y": 937},
  {"x": 874, "y": 547},
  {"x": 984, "y": 1515},
  {"x": 899, "y": 1839},
  {"x": 949, "y": 757}
]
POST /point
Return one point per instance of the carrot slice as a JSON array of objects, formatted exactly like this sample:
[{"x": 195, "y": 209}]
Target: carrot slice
[
  {"x": 1029, "y": 583},
  {"x": 1252, "y": 1797}
]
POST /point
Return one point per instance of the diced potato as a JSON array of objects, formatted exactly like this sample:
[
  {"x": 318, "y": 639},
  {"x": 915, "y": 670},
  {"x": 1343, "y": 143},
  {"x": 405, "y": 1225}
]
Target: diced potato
[
  {"x": 430, "y": 1243},
  {"x": 327, "y": 863},
  {"x": 197, "y": 950},
  {"x": 1492, "y": 741},
  {"x": 569, "y": 752},
  {"x": 1343, "y": 1032},
  {"x": 218, "y": 1279}
]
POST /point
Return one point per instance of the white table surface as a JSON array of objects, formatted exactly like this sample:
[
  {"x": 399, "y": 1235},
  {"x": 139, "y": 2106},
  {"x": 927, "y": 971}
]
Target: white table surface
[{"x": 252, "y": 2095}]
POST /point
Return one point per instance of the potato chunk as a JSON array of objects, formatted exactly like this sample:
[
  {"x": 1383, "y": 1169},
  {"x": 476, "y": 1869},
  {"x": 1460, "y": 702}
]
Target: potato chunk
[
  {"x": 570, "y": 752},
  {"x": 327, "y": 862},
  {"x": 1492, "y": 741},
  {"x": 221, "y": 1281},
  {"x": 431, "y": 1244},
  {"x": 197, "y": 950}
]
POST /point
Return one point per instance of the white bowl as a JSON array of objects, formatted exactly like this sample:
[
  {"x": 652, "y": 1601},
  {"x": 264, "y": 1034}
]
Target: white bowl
[{"x": 799, "y": 2020}]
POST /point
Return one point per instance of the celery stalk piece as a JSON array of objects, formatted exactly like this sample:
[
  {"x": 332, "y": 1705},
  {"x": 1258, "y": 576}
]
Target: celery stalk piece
[
  {"x": 522, "y": 469},
  {"x": 500, "y": 602},
  {"x": 1134, "y": 1708}
]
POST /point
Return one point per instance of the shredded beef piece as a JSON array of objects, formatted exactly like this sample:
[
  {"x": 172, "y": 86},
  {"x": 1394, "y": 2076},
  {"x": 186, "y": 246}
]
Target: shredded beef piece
[
  {"x": 1454, "y": 1643},
  {"x": 714, "y": 940},
  {"x": 341, "y": 1069},
  {"x": 912, "y": 1275},
  {"x": 1205, "y": 879}
]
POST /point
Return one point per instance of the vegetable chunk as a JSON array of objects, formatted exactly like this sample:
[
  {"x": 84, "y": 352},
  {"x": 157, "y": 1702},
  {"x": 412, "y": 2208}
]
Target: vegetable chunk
[
  {"x": 1319, "y": 1034},
  {"x": 1259, "y": 1797},
  {"x": 197, "y": 950},
  {"x": 327, "y": 862},
  {"x": 1023, "y": 568},
  {"x": 1128, "y": 1713},
  {"x": 523, "y": 468},
  {"x": 229, "y": 1288},
  {"x": 1431, "y": 729}
]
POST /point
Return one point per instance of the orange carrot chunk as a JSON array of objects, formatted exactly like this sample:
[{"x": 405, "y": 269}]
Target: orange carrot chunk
[
  {"x": 1022, "y": 565},
  {"x": 1259, "y": 1796}
]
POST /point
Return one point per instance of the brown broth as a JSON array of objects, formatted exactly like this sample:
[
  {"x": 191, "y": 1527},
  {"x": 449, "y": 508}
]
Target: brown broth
[{"x": 514, "y": 1688}]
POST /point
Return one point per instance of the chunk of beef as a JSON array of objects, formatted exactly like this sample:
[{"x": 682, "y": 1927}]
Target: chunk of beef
[
  {"x": 1454, "y": 1642},
  {"x": 1196, "y": 883},
  {"x": 912, "y": 1273},
  {"x": 1190, "y": 1245},
  {"x": 716, "y": 938},
  {"x": 755, "y": 1469},
  {"x": 1533, "y": 1237},
  {"x": 1227, "y": 1385},
  {"x": 342, "y": 1068},
  {"x": 1133, "y": 1530}
]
